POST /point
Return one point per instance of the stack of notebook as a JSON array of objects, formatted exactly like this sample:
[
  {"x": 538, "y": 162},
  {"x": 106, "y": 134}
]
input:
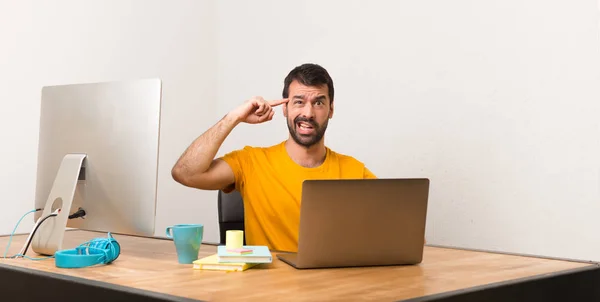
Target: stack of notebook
[{"x": 235, "y": 260}]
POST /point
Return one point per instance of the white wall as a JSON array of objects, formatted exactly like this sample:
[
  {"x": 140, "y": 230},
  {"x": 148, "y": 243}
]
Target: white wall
[
  {"x": 63, "y": 42},
  {"x": 495, "y": 101}
]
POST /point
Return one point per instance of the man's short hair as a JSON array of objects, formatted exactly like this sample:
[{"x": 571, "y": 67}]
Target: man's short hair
[{"x": 309, "y": 75}]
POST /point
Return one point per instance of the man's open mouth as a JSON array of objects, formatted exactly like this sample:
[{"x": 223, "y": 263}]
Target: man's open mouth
[{"x": 305, "y": 128}]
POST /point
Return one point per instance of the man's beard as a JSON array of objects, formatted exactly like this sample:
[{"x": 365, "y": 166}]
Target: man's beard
[{"x": 307, "y": 140}]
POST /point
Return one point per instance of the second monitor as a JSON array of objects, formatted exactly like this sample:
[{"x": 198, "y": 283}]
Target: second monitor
[{"x": 98, "y": 151}]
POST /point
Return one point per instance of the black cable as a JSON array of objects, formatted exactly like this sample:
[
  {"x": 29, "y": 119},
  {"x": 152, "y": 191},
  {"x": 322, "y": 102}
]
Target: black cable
[
  {"x": 35, "y": 229},
  {"x": 79, "y": 213}
]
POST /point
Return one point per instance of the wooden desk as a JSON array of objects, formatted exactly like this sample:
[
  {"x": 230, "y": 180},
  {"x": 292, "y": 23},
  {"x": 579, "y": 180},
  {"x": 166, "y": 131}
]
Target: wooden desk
[{"x": 150, "y": 265}]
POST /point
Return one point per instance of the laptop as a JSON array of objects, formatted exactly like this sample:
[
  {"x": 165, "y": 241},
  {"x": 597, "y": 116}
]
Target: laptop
[{"x": 360, "y": 222}]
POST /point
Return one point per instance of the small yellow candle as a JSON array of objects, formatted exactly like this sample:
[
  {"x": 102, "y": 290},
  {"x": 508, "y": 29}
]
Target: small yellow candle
[{"x": 234, "y": 239}]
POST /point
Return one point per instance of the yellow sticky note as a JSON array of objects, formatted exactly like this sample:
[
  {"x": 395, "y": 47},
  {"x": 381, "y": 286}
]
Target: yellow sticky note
[{"x": 212, "y": 263}]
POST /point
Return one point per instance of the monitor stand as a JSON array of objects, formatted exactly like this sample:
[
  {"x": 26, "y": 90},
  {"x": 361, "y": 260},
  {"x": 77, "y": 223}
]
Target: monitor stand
[{"x": 48, "y": 237}]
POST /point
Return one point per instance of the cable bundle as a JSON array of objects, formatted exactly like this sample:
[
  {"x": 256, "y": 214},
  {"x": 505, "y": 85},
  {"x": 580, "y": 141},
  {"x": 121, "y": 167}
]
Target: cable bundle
[
  {"x": 93, "y": 252},
  {"x": 23, "y": 250}
]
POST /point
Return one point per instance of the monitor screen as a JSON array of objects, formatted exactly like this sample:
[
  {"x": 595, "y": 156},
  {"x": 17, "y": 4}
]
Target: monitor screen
[{"x": 98, "y": 151}]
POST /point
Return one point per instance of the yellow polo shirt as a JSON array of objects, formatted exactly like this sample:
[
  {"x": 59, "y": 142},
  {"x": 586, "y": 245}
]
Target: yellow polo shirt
[{"x": 270, "y": 183}]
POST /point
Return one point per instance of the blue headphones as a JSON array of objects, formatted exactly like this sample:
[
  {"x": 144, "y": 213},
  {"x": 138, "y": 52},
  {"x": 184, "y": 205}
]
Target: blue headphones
[{"x": 90, "y": 253}]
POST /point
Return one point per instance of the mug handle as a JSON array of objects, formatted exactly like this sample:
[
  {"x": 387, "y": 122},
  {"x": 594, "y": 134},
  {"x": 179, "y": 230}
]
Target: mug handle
[{"x": 168, "y": 232}]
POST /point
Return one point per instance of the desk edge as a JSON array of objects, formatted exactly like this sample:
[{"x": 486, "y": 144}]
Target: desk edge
[
  {"x": 95, "y": 283},
  {"x": 513, "y": 254},
  {"x": 507, "y": 283}
]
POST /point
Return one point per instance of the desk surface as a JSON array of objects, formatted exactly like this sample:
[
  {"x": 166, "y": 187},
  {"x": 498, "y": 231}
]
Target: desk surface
[{"x": 151, "y": 264}]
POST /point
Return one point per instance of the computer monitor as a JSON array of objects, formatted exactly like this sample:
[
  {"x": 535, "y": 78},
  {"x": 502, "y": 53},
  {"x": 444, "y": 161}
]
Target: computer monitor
[{"x": 98, "y": 151}]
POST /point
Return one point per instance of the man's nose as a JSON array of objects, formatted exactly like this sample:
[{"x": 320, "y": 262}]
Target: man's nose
[{"x": 308, "y": 110}]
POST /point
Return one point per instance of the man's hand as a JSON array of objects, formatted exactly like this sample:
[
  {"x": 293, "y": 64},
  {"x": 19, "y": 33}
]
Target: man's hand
[
  {"x": 256, "y": 110},
  {"x": 197, "y": 166}
]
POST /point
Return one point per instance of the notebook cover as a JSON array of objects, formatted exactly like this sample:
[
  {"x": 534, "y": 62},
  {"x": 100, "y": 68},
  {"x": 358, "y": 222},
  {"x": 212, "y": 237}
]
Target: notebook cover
[
  {"x": 260, "y": 254},
  {"x": 212, "y": 263}
]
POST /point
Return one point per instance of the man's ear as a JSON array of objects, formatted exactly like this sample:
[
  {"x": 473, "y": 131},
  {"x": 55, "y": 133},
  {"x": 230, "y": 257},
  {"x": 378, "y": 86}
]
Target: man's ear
[
  {"x": 331, "y": 110},
  {"x": 284, "y": 108}
]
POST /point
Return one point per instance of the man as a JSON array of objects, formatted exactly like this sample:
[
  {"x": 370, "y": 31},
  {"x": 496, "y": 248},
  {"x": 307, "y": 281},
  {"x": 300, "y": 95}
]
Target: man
[{"x": 270, "y": 178}]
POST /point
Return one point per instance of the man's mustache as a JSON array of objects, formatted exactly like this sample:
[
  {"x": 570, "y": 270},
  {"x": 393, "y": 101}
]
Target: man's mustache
[{"x": 306, "y": 120}]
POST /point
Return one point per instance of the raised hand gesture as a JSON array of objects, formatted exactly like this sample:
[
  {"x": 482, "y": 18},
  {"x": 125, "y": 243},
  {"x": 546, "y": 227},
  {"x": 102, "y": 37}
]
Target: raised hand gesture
[{"x": 256, "y": 110}]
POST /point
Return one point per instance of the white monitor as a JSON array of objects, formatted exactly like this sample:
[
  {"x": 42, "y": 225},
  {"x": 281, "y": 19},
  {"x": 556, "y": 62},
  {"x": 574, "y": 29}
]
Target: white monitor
[{"x": 98, "y": 151}]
